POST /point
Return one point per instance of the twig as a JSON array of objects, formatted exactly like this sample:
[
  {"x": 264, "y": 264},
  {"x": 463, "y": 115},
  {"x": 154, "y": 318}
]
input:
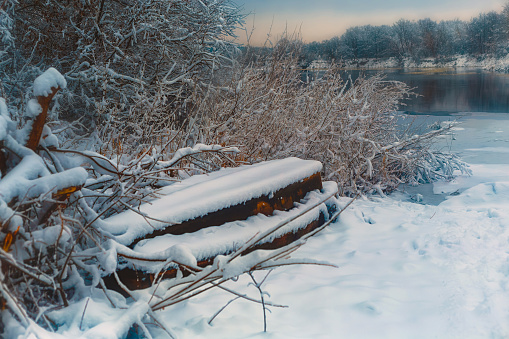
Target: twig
[
  {"x": 221, "y": 310},
  {"x": 83, "y": 315},
  {"x": 262, "y": 294}
]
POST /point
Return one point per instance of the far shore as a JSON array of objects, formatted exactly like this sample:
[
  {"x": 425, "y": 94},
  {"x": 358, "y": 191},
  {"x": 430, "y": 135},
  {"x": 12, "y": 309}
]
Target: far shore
[{"x": 487, "y": 62}]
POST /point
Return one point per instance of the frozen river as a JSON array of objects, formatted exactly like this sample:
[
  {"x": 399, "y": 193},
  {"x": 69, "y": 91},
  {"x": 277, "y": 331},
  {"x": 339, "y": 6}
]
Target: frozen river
[
  {"x": 479, "y": 102},
  {"x": 481, "y": 140},
  {"x": 451, "y": 90}
]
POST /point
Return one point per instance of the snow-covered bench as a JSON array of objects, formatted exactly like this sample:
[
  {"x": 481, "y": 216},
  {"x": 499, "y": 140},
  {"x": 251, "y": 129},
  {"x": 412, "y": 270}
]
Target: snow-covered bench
[{"x": 216, "y": 214}]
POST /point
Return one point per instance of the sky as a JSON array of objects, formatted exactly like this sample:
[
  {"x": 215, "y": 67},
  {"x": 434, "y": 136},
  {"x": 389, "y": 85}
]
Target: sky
[{"x": 318, "y": 20}]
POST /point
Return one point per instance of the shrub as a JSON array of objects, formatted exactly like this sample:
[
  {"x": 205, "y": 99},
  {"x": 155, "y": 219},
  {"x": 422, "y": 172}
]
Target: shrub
[
  {"x": 56, "y": 248},
  {"x": 121, "y": 57},
  {"x": 350, "y": 126}
]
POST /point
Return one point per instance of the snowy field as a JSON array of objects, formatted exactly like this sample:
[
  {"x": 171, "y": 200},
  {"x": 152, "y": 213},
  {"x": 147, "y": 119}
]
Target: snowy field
[{"x": 404, "y": 269}]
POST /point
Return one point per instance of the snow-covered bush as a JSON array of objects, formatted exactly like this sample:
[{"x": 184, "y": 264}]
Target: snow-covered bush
[
  {"x": 128, "y": 63},
  {"x": 55, "y": 245},
  {"x": 351, "y": 127}
]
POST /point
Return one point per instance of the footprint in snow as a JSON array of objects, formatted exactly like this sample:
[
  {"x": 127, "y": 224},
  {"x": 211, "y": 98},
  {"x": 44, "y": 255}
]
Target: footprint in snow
[
  {"x": 369, "y": 220},
  {"x": 367, "y": 308}
]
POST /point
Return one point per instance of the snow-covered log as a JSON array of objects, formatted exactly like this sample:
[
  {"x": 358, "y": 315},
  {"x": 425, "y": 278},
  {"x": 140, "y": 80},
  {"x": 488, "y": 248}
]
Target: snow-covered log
[
  {"x": 216, "y": 214},
  {"x": 218, "y": 197}
]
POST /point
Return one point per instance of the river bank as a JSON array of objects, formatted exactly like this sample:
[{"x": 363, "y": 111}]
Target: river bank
[{"x": 487, "y": 62}]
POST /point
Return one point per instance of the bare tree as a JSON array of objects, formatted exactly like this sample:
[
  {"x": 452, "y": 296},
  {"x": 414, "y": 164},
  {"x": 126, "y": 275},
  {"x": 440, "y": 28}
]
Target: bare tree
[
  {"x": 123, "y": 56},
  {"x": 349, "y": 126}
]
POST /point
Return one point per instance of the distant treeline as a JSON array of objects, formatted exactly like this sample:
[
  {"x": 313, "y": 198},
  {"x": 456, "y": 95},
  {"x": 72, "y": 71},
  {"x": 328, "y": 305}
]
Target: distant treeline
[{"x": 488, "y": 33}]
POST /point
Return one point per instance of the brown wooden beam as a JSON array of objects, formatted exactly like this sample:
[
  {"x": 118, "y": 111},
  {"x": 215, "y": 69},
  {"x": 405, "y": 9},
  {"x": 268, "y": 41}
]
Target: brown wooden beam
[
  {"x": 281, "y": 200},
  {"x": 139, "y": 279}
]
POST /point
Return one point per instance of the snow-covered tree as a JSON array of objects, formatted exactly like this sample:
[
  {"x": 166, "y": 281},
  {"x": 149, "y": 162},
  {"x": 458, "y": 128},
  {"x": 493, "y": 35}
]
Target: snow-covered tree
[
  {"x": 377, "y": 41},
  {"x": 121, "y": 57},
  {"x": 352, "y": 43},
  {"x": 429, "y": 37},
  {"x": 485, "y": 33},
  {"x": 405, "y": 37}
]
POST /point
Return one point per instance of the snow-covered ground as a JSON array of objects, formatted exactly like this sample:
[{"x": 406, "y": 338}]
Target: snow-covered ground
[
  {"x": 404, "y": 269},
  {"x": 426, "y": 262}
]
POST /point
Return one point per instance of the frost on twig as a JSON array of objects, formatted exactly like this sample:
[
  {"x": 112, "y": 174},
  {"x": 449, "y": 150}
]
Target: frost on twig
[{"x": 258, "y": 286}]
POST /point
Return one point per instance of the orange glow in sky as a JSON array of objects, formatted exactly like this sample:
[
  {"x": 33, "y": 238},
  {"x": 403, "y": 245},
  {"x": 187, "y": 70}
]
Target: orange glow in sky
[{"x": 319, "y": 20}]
